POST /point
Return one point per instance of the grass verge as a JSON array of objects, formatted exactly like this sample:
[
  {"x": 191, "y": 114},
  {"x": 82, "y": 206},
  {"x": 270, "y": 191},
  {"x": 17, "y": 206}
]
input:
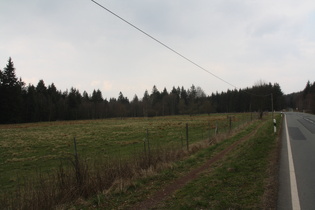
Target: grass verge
[{"x": 242, "y": 180}]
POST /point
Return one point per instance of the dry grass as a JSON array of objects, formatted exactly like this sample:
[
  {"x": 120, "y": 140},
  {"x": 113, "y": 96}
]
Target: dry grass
[{"x": 82, "y": 181}]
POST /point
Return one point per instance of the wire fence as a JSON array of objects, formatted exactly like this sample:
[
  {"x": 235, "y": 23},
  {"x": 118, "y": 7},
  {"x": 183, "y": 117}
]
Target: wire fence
[{"x": 175, "y": 134}]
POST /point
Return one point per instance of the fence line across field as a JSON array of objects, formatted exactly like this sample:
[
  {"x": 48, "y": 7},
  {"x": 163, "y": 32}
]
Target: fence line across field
[{"x": 156, "y": 138}]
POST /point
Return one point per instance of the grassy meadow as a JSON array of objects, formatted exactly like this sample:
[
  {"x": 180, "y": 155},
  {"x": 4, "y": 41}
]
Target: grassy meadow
[{"x": 32, "y": 148}]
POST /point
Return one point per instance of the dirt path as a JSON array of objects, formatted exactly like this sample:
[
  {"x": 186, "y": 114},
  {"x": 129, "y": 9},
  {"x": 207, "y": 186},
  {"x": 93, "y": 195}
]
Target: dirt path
[{"x": 164, "y": 193}]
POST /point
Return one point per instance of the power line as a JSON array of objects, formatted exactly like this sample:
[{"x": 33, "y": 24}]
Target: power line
[
  {"x": 158, "y": 41},
  {"x": 174, "y": 51}
]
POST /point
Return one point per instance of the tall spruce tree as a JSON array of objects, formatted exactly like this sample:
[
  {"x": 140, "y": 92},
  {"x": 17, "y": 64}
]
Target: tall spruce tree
[
  {"x": 10, "y": 94},
  {"x": 9, "y": 78}
]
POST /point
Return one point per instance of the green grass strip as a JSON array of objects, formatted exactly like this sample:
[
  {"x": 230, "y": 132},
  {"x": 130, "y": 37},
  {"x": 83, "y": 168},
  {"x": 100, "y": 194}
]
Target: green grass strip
[{"x": 237, "y": 182}]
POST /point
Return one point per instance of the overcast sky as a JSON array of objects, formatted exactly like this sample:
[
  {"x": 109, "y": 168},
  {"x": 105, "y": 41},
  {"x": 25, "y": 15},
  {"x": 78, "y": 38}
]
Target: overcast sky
[{"x": 75, "y": 43}]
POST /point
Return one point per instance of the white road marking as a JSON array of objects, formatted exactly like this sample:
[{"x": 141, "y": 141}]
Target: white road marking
[
  {"x": 309, "y": 120},
  {"x": 294, "y": 191}
]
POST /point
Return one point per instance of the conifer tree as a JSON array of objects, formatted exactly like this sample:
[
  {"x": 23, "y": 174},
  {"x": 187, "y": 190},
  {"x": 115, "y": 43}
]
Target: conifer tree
[
  {"x": 10, "y": 94},
  {"x": 9, "y": 78}
]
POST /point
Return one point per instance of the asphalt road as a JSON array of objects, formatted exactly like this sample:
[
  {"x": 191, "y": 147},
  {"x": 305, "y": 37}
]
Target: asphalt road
[{"x": 297, "y": 163}]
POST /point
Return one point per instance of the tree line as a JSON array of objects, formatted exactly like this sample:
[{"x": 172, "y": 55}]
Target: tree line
[
  {"x": 303, "y": 100},
  {"x": 28, "y": 103}
]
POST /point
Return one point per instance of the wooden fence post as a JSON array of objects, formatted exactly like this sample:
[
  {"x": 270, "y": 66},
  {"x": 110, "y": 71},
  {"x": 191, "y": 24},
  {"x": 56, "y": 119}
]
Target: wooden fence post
[{"x": 76, "y": 163}]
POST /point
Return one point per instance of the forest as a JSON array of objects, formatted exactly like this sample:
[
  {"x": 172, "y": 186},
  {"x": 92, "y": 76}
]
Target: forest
[
  {"x": 21, "y": 103},
  {"x": 304, "y": 100}
]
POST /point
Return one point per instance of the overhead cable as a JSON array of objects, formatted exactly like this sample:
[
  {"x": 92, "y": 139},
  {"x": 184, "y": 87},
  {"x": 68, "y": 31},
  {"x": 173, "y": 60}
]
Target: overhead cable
[{"x": 166, "y": 46}]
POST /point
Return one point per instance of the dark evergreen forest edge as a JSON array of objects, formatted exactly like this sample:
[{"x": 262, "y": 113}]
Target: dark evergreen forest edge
[{"x": 20, "y": 103}]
